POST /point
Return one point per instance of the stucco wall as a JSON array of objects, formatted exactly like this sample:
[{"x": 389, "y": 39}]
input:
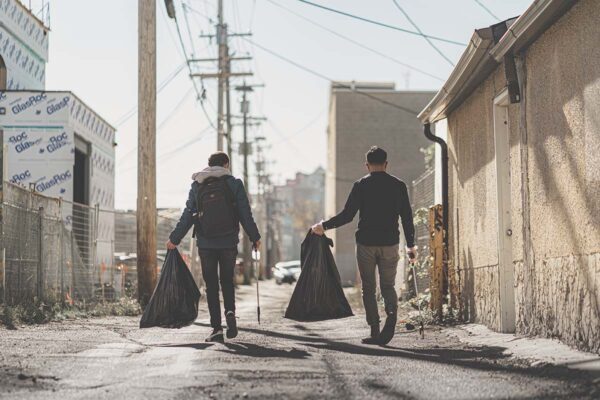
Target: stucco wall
[
  {"x": 563, "y": 125},
  {"x": 473, "y": 202},
  {"x": 558, "y": 292}
]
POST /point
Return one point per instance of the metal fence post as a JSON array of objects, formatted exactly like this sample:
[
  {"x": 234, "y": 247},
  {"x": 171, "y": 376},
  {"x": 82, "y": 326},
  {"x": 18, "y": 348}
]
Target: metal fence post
[
  {"x": 4, "y": 275},
  {"x": 95, "y": 248},
  {"x": 40, "y": 272},
  {"x": 71, "y": 291},
  {"x": 61, "y": 256}
]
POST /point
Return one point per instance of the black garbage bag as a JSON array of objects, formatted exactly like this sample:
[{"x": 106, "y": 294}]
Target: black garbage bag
[
  {"x": 174, "y": 302},
  {"x": 318, "y": 294}
]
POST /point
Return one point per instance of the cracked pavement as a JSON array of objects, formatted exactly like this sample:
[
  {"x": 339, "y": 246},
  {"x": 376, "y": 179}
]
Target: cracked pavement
[{"x": 109, "y": 358}]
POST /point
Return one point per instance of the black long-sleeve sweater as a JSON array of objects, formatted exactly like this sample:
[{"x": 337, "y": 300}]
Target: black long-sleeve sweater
[{"x": 381, "y": 199}]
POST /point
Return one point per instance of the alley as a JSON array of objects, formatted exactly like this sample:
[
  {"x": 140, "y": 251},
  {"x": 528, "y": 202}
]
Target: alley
[{"x": 111, "y": 358}]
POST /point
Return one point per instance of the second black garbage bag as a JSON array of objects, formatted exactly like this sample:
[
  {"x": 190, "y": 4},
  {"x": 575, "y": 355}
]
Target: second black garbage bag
[
  {"x": 174, "y": 303},
  {"x": 318, "y": 294}
]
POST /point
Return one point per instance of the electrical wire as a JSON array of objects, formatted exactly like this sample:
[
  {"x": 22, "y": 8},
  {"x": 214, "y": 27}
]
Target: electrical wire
[
  {"x": 199, "y": 95},
  {"x": 487, "y": 9},
  {"x": 161, "y": 125},
  {"x": 338, "y": 84},
  {"x": 361, "y": 45},
  {"x": 399, "y": 7},
  {"x": 125, "y": 117},
  {"x": 198, "y": 137},
  {"x": 382, "y": 24},
  {"x": 305, "y": 127},
  {"x": 189, "y": 31}
]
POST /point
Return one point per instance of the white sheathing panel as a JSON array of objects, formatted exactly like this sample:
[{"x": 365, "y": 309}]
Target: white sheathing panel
[
  {"x": 18, "y": 20},
  {"x": 96, "y": 131},
  {"x": 39, "y": 131},
  {"x": 23, "y": 46},
  {"x": 93, "y": 129}
]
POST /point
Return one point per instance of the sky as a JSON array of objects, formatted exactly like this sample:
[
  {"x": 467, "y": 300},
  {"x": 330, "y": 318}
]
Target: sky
[{"x": 93, "y": 52}]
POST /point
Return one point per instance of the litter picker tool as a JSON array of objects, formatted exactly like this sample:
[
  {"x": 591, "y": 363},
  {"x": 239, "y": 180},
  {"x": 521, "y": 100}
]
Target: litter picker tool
[
  {"x": 413, "y": 261},
  {"x": 257, "y": 276}
]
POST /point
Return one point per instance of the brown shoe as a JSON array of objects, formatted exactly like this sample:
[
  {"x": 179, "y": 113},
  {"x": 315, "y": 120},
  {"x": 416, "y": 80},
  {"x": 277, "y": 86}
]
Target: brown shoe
[{"x": 374, "y": 338}]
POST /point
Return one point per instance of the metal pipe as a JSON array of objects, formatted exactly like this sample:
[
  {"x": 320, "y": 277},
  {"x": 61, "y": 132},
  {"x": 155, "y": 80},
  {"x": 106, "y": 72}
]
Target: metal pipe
[{"x": 444, "y": 147}]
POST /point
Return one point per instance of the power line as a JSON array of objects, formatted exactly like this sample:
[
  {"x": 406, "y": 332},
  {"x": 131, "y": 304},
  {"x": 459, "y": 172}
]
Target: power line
[
  {"x": 198, "y": 137},
  {"x": 487, "y": 9},
  {"x": 189, "y": 31},
  {"x": 339, "y": 84},
  {"x": 380, "y": 23},
  {"x": 304, "y": 127},
  {"x": 419, "y": 30},
  {"x": 199, "y": 95},
  {"x": 363, "y": 46},
  {"x": 162, "y": 123},
  {"x": 125, "y": 117},
  {"x": 174, "y": 110}
]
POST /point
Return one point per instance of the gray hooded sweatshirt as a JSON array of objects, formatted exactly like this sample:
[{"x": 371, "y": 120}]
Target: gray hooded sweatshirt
[{"x": 188, "y": 218}]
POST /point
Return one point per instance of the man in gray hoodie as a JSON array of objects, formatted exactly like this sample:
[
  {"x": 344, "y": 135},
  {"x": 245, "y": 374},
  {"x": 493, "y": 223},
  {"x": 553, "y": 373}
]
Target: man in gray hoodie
[{"x": 218, "y": 252}]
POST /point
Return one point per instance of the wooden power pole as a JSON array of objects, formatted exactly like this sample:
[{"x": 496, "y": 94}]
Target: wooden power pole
[
  {"x": 223, "y": 76},
  {"x": 146, "y": 184},
  {"x": 222, "y": 64},
  {"x": 245, "y": 149}
]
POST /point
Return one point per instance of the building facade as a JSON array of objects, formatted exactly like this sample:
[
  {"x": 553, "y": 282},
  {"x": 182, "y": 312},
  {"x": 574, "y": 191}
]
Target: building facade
[
  {"x": 54, "y": 143},
  {"x": 521, "y": 116},
  {"x": 357, "y": 122}
]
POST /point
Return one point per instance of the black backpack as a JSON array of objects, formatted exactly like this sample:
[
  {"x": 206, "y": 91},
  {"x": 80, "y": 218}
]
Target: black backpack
[{"x": 216, "y": 207}]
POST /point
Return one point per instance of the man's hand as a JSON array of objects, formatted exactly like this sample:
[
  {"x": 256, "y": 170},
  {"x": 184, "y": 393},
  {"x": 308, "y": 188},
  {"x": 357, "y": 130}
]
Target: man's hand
[
  {"x": 412, "y": 253},
  {"x": 170, "y": 245},
  {"x": 318, "y": 229},
  {"x": 256, "y": 245}
]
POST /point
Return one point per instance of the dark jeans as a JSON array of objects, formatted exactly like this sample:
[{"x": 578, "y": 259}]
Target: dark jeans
[{"x": 218, "y": 266}]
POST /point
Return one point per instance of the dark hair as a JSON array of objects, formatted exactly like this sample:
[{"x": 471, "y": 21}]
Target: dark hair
[
  {"x": 218, "y": 159},
  {"x": 376, "y": 156}
]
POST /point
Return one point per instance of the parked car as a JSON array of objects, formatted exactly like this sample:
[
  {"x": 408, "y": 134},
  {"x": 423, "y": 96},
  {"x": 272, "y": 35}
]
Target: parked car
[{"x": 286, "y": 272}]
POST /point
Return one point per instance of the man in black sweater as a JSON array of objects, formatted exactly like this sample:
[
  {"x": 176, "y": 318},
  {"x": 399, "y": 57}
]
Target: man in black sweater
[{"x": 381, "y": 198}]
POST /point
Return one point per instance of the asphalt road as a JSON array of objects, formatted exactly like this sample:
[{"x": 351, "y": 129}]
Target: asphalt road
[{"x": 110, "y": 358}]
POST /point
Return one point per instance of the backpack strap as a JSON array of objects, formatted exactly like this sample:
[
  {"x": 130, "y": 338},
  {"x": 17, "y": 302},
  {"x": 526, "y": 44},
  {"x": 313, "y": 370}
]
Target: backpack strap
[{"x": 230, "y": 195}]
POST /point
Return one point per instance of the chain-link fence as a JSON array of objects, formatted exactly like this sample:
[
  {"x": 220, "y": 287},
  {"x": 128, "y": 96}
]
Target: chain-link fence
[{"x": 58, "y": 251}]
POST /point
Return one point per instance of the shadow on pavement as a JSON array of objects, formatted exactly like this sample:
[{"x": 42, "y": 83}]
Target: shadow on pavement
[
  {"x": 478, "y": 358},
  {"x": 197, "y": 346},
  {"x": 254, "y": 350}
]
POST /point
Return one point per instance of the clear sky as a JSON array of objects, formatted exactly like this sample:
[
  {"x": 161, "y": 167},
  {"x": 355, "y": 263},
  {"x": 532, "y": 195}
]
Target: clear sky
[{"x": 93, "y": 52}]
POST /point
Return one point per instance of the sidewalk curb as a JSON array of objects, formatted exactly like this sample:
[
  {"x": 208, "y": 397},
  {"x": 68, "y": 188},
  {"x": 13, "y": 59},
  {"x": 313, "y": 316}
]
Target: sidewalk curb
[{"x": 537, "y": 351}]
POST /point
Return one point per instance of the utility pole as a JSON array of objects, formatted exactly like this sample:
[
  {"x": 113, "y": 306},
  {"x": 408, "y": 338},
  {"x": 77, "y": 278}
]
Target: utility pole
[
  {"x": 229, "y": 128},
  {"x": 223, "y": 61},
  {"x": 245, "y": 110},
  {"x": 263, "y": 204},
  {"x": 223, "y": 76},
  {"x": 146, "y": 182}
]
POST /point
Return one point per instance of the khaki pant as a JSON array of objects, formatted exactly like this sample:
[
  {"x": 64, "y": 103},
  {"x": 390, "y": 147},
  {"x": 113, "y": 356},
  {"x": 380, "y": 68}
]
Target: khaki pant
[{"x": 385, "y": 260}]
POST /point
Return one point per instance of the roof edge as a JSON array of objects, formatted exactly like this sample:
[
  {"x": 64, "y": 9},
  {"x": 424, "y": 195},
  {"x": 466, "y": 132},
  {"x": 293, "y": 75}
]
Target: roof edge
[
  {"x": 461, "y": 75},
  {"x": 33, "y": 16},
  {"x": 476, "y": 64},
  {"x": 530, "y": 25},
  {"x": 66, "y": 92}
]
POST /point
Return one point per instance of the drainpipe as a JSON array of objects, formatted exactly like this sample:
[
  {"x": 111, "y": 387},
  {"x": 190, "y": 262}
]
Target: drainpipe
[{"x": 444, "y": 148}]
